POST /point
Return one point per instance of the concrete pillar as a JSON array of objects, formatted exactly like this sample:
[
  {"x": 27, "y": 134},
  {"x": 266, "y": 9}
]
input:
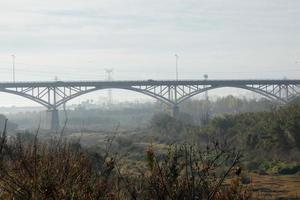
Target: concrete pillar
[
  {"x": 54, "y": 119},
  {"x": 175, "y": 111}
]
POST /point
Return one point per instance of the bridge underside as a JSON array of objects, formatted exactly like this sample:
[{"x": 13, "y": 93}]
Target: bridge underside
[{"x": 54, "y": 94}]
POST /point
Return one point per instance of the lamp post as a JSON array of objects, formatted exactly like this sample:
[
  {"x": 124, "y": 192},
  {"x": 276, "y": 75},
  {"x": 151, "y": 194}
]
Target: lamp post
[
  {"x": 177, "y": 57},
  {"x": 13, "y": 66}
]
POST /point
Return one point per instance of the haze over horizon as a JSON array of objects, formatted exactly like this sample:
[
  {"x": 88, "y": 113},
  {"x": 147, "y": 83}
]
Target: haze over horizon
[{"x": 77, "y": 40}]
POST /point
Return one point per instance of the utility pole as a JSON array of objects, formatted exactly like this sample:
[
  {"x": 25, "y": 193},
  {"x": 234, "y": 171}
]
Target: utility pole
[
  {"x": 175, "y": 108},
  {"x": 13, "y": 66},
  {"x": 177, "y": 57},
  {"x": 109, "y": 78}
]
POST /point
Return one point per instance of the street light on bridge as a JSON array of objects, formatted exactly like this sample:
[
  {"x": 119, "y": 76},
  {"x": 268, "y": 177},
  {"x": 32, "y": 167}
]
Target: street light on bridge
[
  {"x": 13, "y": 66},
  {"x": 177, "y": 57}
]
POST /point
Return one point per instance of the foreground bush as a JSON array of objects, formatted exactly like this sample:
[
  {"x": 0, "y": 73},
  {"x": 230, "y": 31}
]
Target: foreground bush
[
  {"x": 52, "y": 170},
  {"x": 187, "y": 172},
  {"x": 61, "y": 170}
]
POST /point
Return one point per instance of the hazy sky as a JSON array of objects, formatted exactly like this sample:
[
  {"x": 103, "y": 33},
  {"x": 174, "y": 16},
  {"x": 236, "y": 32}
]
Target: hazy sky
[{"x": 77, "y": 40}]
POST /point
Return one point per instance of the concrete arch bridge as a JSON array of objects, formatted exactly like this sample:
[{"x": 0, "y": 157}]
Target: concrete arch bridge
[{"x": 171, "y": 92}]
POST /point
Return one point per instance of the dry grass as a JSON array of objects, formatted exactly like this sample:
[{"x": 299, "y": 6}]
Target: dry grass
[
  {"x": 275, "y": 187},
  {"x": 53, "y": 170},
  {"x": 56, "y": 169}
]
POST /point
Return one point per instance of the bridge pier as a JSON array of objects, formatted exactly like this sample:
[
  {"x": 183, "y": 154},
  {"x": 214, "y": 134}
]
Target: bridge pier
[
  {"x": 54, "y": 119},
  {"x": 175, "y": 111}
]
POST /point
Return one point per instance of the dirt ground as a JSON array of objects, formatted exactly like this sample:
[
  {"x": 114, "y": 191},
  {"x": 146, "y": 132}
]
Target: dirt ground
[{"x": 276, "y": 187}]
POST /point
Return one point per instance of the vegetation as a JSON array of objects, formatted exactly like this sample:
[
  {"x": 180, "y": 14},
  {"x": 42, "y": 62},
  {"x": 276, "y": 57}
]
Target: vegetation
[
  {"x": 170, "y": 158},
  {"x": 89, "y": 116},
  {"x": 9, "y": 126},
  {"x": 31, "y": 169},
  {"x": 267, "y": 138}
]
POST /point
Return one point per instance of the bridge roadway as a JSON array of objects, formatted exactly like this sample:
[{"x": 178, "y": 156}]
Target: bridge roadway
[{"x": 171, "y": 92}]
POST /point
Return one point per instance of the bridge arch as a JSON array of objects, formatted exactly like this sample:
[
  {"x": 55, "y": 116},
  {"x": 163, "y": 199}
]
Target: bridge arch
[
  {"x": 258, "y": 91},
  {"x": 148, "y": 93},
  {"x": 30, "y": 97}
]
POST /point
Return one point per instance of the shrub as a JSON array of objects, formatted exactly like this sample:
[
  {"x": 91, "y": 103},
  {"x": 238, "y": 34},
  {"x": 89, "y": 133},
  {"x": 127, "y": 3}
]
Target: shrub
[
  {"x": 252, "y": 165},
  {"x": 188, "y": 172},
  {"x": 292, "y": 169},
  {"x": 52, "y": 170},
  {"x": 57, "y": 169}
]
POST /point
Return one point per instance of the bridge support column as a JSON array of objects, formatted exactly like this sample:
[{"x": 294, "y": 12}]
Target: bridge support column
[
  {"x": 175, "y": 111},
  {"x": 54, "y": 119}
]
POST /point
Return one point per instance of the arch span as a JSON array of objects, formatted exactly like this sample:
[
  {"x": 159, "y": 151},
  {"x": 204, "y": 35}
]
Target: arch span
[
  {"x": 258, "y": 91},
  {"x": 148, "y": 93},
  {"x": 30, "y": 97}
]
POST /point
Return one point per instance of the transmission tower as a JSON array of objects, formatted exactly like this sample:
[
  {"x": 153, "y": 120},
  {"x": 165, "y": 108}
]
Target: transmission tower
[{"x": 109, "y": 93}]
